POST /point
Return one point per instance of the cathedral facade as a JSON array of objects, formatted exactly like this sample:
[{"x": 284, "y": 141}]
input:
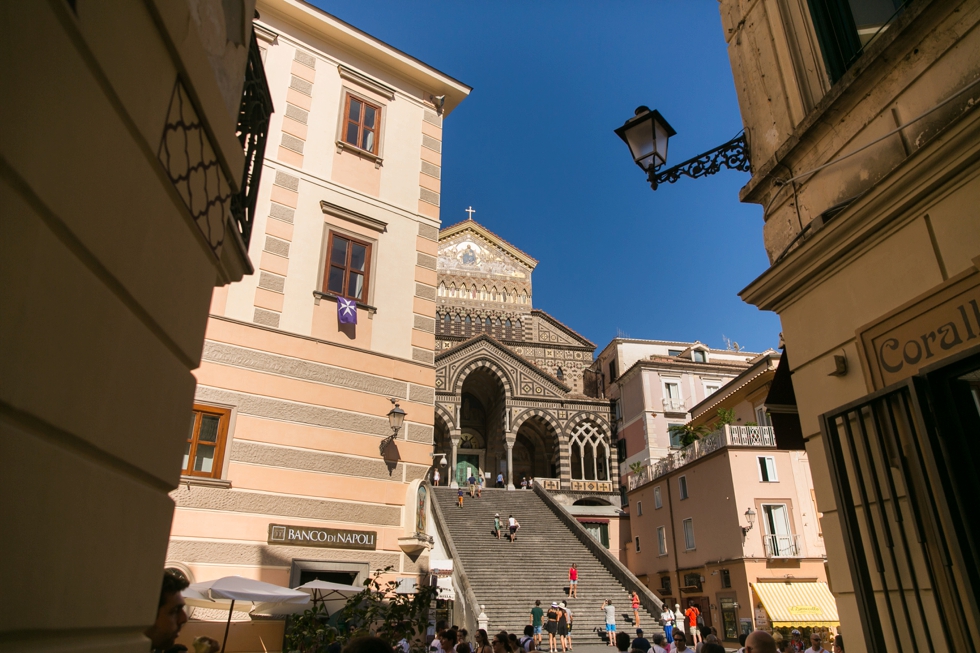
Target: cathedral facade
[{"x": 509, "y": 378}]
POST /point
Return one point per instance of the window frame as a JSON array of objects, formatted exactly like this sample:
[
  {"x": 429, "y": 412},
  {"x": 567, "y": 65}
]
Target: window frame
[
  {"x": 345, "y": 121},
  {"x": 639, "y": 508},
  {"x": 328, "y": 264},
  {"x": 221, "y": 441},
  {"x": 636, "y": 543},
  {"x": 689, "y": 543},
  {"x": 662, "y": 540},
  {"x": 682, "y": 489},
  {"x": 658, "y": 501},
  {"x": 764, "y": 469},
  {"x": 725, "y": 576}
]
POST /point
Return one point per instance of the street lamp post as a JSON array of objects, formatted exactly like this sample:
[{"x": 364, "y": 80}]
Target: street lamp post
[
  {"x": 647, "y": 133},
  {"x": 749, "y": 517},
  {"x": 396, "y": 417}
]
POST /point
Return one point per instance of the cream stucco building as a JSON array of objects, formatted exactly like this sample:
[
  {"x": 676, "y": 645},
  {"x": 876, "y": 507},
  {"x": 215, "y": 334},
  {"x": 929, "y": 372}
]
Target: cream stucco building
[
  {"x": 110, "y": 247},
  {"x": 864, "y": 139},
  {"x": 291, "y": 405}
]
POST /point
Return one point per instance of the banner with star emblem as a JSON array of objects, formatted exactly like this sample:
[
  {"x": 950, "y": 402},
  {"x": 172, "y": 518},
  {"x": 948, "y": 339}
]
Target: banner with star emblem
[{"x": 346, "y": 311}]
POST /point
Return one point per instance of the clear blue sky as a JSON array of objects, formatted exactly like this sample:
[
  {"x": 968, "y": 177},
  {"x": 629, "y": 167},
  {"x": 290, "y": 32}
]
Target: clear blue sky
[{"x": 533, "y": 151}]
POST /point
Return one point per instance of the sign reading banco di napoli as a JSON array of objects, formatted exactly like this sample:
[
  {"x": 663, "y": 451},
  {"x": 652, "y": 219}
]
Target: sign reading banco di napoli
[{"x": 333, "y": 538}]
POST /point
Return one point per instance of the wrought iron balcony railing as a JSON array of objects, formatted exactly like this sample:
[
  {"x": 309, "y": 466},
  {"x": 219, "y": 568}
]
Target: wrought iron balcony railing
[
  {"x": 253, "y": 129},
  {"x": 782, "y": 546}
]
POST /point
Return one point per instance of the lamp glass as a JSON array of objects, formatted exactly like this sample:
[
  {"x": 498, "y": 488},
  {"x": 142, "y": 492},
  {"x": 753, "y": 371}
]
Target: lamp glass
[
  {"x": 750, "y": 516},
  {"x": 646, "y": 134},
  {"x": 396, "y": 416}
]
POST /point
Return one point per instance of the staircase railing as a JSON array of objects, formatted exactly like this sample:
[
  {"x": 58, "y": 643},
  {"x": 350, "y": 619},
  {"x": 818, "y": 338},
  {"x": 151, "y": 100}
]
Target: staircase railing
[
  {"x": 470, "y": 605},
  {"x": 619, "y": 571}
]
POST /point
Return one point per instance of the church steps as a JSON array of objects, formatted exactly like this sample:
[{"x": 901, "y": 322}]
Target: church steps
[{"x": 508, "y": 577}]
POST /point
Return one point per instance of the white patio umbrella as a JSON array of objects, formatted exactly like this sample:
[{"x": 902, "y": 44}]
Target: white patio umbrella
[
  {"x": 245, "y": 592},
  {"x": 333, "y": 596}
]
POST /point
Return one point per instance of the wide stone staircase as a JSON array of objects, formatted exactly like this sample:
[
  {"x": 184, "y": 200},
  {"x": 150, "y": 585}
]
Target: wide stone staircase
[{"x": 507, "y": 578}]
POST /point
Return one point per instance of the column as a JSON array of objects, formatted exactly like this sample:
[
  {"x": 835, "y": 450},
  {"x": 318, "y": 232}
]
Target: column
[
  {"x": 595, "y": 462},
  {"x": 454, "y": 440},
  {"x": 510, "y": 438}
]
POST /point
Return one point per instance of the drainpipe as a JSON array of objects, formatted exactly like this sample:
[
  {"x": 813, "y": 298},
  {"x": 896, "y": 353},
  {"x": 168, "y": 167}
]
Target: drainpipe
[{"x": 673, "y": 539}]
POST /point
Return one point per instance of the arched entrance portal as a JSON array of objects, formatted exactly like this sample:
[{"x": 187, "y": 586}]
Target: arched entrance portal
[
  {"x": 481, "y": 448},
  {"x": 535, "y": 450}
]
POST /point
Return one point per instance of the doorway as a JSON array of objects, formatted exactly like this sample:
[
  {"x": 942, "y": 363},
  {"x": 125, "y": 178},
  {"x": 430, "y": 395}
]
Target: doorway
[{"x": 466, "y": 464}]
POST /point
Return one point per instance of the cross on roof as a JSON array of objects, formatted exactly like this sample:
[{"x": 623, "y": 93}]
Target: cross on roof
[{"x": 471, "y": 211}]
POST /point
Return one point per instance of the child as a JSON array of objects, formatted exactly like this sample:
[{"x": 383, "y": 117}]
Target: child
[{"x": 459, "y": 497}]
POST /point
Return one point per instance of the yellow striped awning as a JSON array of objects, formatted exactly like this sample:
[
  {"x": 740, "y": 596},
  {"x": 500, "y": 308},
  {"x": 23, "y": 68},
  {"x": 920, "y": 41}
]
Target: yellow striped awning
[{"x": 798, "y": 604}]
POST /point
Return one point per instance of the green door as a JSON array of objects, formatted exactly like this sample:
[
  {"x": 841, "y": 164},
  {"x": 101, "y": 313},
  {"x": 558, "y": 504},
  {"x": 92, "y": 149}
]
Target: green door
[{"x": 466, "y": 464}]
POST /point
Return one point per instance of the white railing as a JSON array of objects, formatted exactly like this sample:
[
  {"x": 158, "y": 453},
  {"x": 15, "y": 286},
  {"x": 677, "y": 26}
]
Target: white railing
[
  {"x": 782, "y": 546},
  {"x": 729, "y": 436},
  {"x": 674, "y": 405}
]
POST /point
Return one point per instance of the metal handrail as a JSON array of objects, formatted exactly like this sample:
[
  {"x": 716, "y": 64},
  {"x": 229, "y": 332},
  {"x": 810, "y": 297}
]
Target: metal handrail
[{"x": 782, "y": 546}]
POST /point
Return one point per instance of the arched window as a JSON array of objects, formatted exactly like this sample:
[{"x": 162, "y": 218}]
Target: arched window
[
  {"x": 588, "y": 447},
  {"x": 483, "y": 292},
  {"x": 488, "y": 324},
  {"x": 559, "y": 374},
  {"x": 496, "y": 322},
  {"x": 524, "y": 297},
  {"x": 504, "y": 298},
  {"x": 507, "y": 324},
  {"x": 445, "y": 318},
  {"x": 493, "y": 294},
  {"x": 467, "y": 321},
  {"x": 456, "y": 319},
  {"x": 473, "y": 292},
  {"x": 442, "y": 288},
  {"x": 452, "y": 290}
]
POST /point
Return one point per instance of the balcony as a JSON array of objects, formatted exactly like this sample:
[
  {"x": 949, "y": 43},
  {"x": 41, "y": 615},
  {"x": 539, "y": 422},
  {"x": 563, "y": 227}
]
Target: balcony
[
  {"x": 729, "y": 436},
  {"x": 782, "y": 546},
  {"x": 674, "y": 406}
]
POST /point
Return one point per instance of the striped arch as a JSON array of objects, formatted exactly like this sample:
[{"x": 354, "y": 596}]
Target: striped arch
[
  {"x": 586, "y": 416},
  {"x": 508, "y": 383},
  {"x": 446, "y": 416},
  {"x": 543, "y": 414}
]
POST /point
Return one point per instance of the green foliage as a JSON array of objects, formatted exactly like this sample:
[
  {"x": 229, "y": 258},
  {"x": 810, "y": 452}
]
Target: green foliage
[
  {"x": 688, "y": 434},
  {"x": 636, "y": 468},
  {"x": 725, "y": 416},
  {"x": 751, "y": 424},
  {"x": 377, "y": 610}
]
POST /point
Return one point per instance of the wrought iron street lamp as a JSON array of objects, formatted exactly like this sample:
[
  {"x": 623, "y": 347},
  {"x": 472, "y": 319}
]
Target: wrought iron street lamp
[
  {"x": 749, "y": 517},
  {"x": 396, "y": 417},
  {"x": 647, "y": 133}
]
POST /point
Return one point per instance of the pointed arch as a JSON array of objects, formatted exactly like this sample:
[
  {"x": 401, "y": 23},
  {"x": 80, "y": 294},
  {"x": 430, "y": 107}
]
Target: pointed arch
[
  {"x": 483, "y": 362},
  {"x": 493, "y": 294},
  {"x": 442, "y": 288}
]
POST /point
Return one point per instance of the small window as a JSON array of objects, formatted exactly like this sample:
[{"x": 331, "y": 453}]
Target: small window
[
  {"x": 361, "y": 123},
  {"x": 700, "y": 356},
  {"x": 767, "y": 469},
  {"x": 621, "y": 450},
  {"x": 559, "y": 374},
  {"x": 636, "y": 543},
  {"x": 845, "y": 27},
  {"x": 726, "y": 579},
  {"x": 348, "y": 267},
  {"x": 204, "y": 452},
  {"x": 657, "y": 501},
  {"x": 665, "y": 584},
  {"x": 693, "y": 580},
  {"x": 675, "y": 352},
  {"x": 613, "y": 370},
  {"x": 689, "y": 534},
  {"x": 662, "y": 540},
  {"x": 639, "y": 508},
  {"x": 762, "y": 416},
  {"x": 673, "y": 430},
  {"x": 682, "y": 487},
  {"x": 710, "y": 389}
]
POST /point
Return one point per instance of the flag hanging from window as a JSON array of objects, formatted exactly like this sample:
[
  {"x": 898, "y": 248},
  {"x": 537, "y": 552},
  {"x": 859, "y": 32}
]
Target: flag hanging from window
[{"x": 346, "y": 311}]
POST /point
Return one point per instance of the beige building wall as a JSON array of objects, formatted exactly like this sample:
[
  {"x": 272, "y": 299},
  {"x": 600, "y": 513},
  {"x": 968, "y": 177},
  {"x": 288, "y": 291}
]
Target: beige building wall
[
  {"x": 891, "y": 147},
  {"x": 307, "y": 398},
  {"x": 106, "y": 274}
]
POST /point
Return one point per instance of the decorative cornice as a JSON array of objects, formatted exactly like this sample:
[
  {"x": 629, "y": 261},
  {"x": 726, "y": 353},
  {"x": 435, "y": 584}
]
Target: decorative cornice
[
  {"x": 470, "y": 349},
  {"x": 353, "y": 216},
  {"x": 365, "y": 81},
  {"x": 483, "y": 232}
]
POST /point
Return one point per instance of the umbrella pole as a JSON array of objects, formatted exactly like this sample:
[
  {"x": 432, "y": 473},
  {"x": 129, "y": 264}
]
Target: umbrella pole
[{"x": 228, "y": 625}]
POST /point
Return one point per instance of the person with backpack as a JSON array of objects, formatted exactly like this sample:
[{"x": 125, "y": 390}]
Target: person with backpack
[
  {"x": 459, "y": 497},
  {"x": 471, "y": 481},
  {"x": 527, "y": 642},
  {"x": 694, "y": 621},
  {"x": 513, "y": 525}
]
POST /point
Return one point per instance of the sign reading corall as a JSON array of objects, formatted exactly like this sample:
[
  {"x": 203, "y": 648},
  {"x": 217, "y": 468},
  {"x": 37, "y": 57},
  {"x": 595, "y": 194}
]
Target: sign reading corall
[{"x": 322, "y": 537}]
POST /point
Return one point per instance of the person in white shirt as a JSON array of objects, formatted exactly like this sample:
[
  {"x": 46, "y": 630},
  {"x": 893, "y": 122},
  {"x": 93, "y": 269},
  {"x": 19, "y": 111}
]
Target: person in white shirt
[
  {"x": 667, "y": 620},
  {"x": 816, "y": 644},
  {"x": 435, "y": 477}
]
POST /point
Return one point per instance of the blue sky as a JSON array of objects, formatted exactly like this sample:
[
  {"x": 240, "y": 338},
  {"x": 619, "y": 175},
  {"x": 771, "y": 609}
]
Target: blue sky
[{"x": 533, "y": 151}]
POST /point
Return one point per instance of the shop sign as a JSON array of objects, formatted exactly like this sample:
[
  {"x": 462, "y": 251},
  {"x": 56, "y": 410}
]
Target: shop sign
[
  {"x": 761, "y": 618},
  {"x": 330, "y": 538},
  {"x": 926, "y": 330}
]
